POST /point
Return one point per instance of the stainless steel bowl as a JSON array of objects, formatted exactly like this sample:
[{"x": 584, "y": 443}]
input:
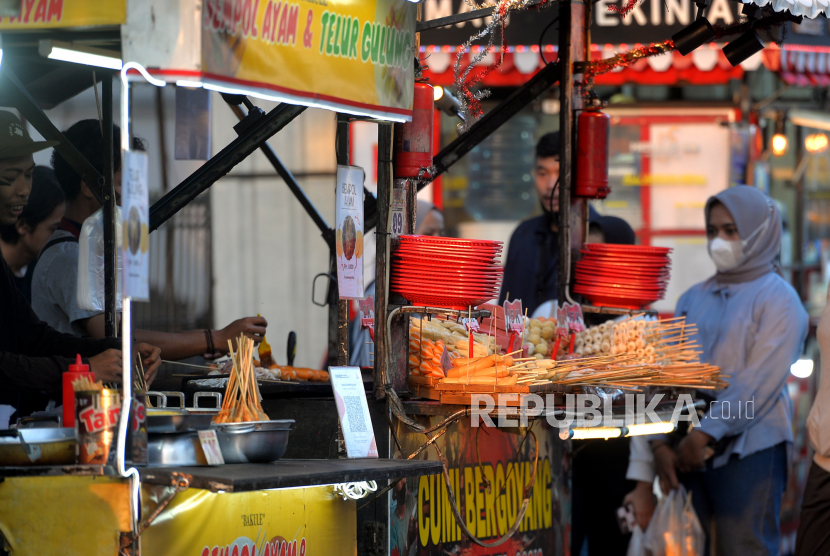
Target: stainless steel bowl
[{"x": 255, "y": 442}]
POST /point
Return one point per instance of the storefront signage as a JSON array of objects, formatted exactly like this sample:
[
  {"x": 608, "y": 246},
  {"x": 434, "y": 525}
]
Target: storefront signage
[
  {"x": 650, "y": 21},
  {"x": 357, "y": 56},
  {"x": 489, "y": 471},
  {"x": 49, "y": 14}
]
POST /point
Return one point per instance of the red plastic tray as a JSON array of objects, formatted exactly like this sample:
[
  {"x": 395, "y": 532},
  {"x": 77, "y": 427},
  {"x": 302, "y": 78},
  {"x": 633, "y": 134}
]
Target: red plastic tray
[
  {"x": 630, "y": 249},
  {"x": 617, "y": 303},
  {"x": 433, "y": 240},
  {"x": 457, "y": 303},
  {"x": 446, "y": 275},
  {"x": 628, "y": 283},
  {"x": 454, "y": 256},
  {"x": 436, "y": 266},
  {"x": 445, "y": 285},
  {"x": 620, "y": 293},
  {"x": 645, "y": 262},
  {"x": 407, "y": 290}
]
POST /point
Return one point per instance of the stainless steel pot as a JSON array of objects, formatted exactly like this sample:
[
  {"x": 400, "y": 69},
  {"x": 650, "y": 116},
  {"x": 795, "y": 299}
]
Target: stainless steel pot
[
  {"x": 44, "y": 446},
  {"x": 254, "y": 442}
]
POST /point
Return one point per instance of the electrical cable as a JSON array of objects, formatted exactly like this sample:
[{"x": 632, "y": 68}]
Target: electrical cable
[{"x": 542, "y": 37}]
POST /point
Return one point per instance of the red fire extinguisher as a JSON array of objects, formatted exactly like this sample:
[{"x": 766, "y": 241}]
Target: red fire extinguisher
[
  {"x": 413, "y": 140},
  {"x": 592, "y": 147}
]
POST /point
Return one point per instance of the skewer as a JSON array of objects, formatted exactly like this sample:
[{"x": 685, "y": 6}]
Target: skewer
[{"x": 209, "y": 368}]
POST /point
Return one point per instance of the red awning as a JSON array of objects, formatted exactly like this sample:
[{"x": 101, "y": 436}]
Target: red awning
[
  {"x": 705, "y": 66},
  {"x": 803, "y": 66}
]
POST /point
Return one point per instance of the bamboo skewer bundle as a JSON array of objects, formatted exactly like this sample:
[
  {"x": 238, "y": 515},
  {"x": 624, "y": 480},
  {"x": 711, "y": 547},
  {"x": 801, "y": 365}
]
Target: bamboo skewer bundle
[
  {"x": 83, "y": 384},
  {"x": 242, "y": 398}
]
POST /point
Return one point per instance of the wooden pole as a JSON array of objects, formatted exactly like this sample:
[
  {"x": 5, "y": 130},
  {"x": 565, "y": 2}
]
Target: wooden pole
[{"x": 382, "y": 347}]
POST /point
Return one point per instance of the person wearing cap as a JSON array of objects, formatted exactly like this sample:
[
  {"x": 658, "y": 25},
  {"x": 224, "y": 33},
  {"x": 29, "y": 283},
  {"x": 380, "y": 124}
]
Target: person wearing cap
[
  {"x": 33, "y": 356},
  {"x": 530, "y": 271},
  {"x": 22, "y": 241},
  {"x": 55, "y": 277}
]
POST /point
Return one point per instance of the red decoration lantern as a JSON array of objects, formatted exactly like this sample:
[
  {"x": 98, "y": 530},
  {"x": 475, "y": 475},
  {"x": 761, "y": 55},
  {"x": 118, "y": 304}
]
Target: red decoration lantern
[
  {"x": 413, "y": 140},
  {"x": 592, "y": 148}
]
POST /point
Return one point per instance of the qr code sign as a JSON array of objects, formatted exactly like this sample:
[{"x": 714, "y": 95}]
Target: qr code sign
[{"x": 354, "y": 410}]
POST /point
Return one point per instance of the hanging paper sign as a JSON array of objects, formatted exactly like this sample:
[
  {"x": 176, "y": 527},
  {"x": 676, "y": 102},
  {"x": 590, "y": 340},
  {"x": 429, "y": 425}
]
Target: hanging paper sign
[
  {"x": 353, "y": 411},
  {"x": 514, "y": 320},
  {"x": 576, "y": 322},
  {"x": 562, "y": 322},
  {"x": 349, "y": 222},
  {"x": 210, "y": 446},
  {"x": 400, "y": 208},
  {"x": 367, "y": 313},
  {"x": 136, "y": 231},
  {"x": 446, "y": 362}
]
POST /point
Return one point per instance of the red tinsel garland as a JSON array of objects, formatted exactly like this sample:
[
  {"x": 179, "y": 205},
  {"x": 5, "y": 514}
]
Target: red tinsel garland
[
  {"x": 592, "y": 69},
  {"x": 625, "y": 10}
]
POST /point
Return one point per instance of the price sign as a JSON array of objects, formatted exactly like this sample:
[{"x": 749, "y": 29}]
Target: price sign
[
  {"x": 471, "y": 325},
  {"x": 210, "y": 446},
  {"x": 514, "y": 320},
  {"x": 446, "y": 362},
  {"x": 562, "y": 322},
  {"x": 135, "y": 250},
  {"x": 576, "y": 322},
  {"x": 349, "y": 232},
  {"x": 367, "y": 313},
  {"x": 353, "y": 411},
  {"x": 400, "y": 208}
]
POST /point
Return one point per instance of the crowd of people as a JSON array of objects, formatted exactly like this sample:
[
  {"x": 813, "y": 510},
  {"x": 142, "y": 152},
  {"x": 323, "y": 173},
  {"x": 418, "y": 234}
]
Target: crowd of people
[{"x": 42, "y": 211}]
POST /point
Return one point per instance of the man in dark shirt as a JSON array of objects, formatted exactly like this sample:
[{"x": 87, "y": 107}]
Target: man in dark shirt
[
  {"x": 34, "y": 356},
  {"x": 533, "y": 255}
]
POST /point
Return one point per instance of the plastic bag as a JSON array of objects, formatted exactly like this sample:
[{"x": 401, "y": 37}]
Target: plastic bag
[
  {"x": 636, "y": 546},
  {"x": 91, "y": 262},
  {"x": 674, "y": 529}
]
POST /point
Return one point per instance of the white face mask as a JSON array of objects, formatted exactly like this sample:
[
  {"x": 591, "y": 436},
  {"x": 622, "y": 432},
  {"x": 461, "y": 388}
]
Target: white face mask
[{"x": 727, "y": 255}]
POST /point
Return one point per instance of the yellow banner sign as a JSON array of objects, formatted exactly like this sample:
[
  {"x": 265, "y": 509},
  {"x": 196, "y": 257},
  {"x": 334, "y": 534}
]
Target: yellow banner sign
[
  {"x": 83, "y": 516},
  {"x": 283, "y": 522},
  {"x": 355, "y": 57},
  {"x": 48, "y": 14}
]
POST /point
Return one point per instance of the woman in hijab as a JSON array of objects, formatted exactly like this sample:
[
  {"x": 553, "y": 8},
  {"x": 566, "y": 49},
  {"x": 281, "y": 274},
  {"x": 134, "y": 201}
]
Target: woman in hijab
[{"x": 752, "y": 324}]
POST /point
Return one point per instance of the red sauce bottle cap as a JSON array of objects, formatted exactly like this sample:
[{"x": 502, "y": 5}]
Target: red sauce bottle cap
[{"x": 79, "y": 366}]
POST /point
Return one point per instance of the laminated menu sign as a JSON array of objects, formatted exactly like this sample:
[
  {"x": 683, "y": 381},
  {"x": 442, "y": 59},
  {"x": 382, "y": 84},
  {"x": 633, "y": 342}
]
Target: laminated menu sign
[
  {"x": 353, "y": 411},
  {"x": 349, "y": 222},
  {"x": 136, "y": 232}
]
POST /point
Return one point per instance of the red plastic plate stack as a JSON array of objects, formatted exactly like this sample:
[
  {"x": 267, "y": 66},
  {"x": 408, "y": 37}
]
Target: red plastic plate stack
[
  {"x": 624, "y": 276},
  {"x": 446, "y": 272}
]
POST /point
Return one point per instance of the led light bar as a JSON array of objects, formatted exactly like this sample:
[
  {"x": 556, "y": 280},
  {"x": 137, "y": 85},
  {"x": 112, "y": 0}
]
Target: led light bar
[{"x": 87, "y": 56}]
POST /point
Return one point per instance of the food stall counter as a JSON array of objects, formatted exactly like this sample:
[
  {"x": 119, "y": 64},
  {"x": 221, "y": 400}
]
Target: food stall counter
[{"x": 289, "y": 473}]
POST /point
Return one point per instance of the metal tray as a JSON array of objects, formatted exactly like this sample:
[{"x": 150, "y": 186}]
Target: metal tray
[
  {"x": 181, "y": 448},
  {"x": 169, "y": 424},
  {"x": 44, "y": 446}
]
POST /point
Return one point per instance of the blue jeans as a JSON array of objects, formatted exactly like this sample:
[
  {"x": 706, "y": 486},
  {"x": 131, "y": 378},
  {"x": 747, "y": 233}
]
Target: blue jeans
[{"x": 740, "y": 502}]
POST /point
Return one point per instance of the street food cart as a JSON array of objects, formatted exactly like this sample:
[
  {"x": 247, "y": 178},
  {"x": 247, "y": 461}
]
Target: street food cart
[{"x": 293, "y": 506}]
